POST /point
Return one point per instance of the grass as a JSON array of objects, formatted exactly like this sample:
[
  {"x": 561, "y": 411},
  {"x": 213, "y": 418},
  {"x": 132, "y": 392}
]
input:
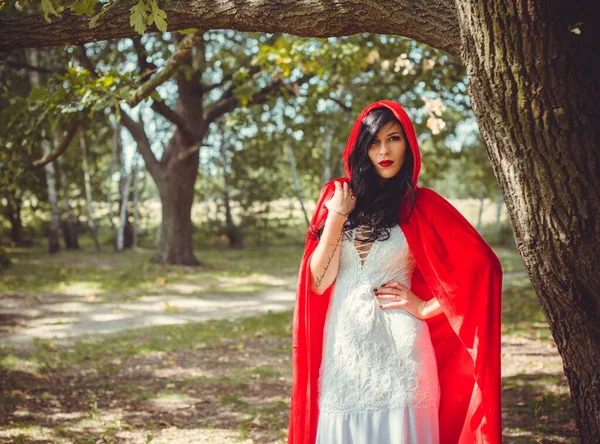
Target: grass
[
  {"x": 126, "y": 276},
  {"x": 218, "y": 381}
]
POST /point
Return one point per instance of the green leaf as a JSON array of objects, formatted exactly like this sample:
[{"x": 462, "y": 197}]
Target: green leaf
[
  {"x": 156, "y": 96},
  {"x": 139, "y": 14},
  {"x": 48, "y": 9},
  {"x": 157, "y": 16},
  {"x": 187, "y": 31},
  {"x": 37, "y": 94},
  {"x": 83, "y": 7},
  {"x": 108, "y": 81}
]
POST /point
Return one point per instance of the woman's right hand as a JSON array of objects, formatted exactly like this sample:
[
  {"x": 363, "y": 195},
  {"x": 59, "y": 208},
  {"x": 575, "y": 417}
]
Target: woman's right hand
[{"x": 343, "y": 199}]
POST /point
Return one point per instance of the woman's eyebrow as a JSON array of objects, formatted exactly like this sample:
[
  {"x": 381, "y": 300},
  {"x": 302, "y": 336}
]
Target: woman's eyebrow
[{"x": 391, "y": 134}]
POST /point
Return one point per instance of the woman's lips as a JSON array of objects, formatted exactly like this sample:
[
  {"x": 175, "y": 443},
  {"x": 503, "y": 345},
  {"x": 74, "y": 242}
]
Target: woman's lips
[{"x": 386, "y": 163}]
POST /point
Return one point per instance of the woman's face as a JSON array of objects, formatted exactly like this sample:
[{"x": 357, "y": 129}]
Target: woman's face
[{"x": 388, "y": 150}]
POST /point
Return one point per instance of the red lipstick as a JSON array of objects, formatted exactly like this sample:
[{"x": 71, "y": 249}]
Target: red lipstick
[{"x": 386, "y": 163}]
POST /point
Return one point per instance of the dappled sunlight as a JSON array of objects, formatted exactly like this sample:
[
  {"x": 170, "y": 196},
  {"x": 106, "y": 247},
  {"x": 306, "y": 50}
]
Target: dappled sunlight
[
  {"x": 254, "y": 278},
  {"x": 35, "y": 433},
  {"x": 80, "y": 288},
  {"x": 171, "y": 401},
  {"x": 171, "y": 371},
  {"x": 15, "y": 364}
]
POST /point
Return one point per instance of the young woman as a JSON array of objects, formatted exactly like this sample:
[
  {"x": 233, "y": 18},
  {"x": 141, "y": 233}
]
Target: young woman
[{"x": 396, "y": 334}]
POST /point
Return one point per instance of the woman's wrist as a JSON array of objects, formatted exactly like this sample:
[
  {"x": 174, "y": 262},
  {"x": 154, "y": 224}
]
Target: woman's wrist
[
  {"x": 430, "y": 308},
  {"x": 345, "y": 215}
]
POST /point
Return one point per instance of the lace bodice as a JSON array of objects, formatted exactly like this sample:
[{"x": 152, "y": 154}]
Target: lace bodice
[{"x": 374, "y": 359}]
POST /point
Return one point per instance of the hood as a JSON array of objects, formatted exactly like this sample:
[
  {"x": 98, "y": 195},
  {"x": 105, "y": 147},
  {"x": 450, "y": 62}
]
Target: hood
[{"x": 408, "y": 129}]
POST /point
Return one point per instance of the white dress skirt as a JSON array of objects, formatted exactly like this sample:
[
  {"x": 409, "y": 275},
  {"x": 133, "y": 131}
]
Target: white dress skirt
[{"x": 378, "y": 380}]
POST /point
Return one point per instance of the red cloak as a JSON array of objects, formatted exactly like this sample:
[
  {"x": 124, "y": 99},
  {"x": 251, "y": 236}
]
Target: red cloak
[{"x": 455, "y": 265}]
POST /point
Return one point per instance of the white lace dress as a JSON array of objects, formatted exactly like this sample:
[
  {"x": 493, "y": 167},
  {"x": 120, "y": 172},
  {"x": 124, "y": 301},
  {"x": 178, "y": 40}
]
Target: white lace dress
[{"x": 378, "y": 381}]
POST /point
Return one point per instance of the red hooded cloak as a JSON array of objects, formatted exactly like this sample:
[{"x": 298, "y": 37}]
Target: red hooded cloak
[{"x": 455, "y": 265}]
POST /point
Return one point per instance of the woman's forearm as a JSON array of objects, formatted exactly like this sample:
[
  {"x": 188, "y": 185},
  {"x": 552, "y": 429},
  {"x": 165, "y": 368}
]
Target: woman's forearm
[
  {"x": 325, "y": 260},
  {"x": 430, "y": 308}
]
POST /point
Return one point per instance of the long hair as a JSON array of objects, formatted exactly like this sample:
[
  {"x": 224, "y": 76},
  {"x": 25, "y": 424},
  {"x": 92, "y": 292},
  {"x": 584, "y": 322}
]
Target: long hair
[{"x": 377, "y": 203}]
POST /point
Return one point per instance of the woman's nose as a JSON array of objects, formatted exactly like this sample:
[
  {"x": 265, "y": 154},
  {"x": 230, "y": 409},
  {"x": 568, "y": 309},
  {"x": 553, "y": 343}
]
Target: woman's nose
[{"x": 384, "y": 148}]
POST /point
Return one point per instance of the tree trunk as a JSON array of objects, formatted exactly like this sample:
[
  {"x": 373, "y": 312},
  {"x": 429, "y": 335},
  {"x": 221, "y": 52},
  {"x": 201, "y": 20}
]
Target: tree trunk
[
  {"x": 176, "y": 188},
  {"x": 116, "y": 153},
  {"x": 294, "y": 171},
  {"x": 535, "y": 83},
  {"x": 124, "y": 231},
  {"x": 123, "y": 213},
  {"x": 13, "y": 214},
  {"x": 54, "y": 228},
  {"x": 88, "y": 189},
  {"x": 68, "y": 225},
  {"x": 481, "y": 205},
  {"x": 136, "y": 201},
  {"x": 234, "y": 234}
]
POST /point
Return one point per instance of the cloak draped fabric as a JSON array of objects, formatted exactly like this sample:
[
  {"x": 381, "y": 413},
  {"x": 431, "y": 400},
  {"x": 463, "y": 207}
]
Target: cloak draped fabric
[{"x": 455, "y": 265}]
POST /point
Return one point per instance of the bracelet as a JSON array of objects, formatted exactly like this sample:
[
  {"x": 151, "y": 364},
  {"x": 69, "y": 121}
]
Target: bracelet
[{"x": 345, "y": 215}]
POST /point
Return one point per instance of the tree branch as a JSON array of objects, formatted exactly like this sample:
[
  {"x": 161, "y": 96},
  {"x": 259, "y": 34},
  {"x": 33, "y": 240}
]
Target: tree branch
[
  {"x": 174, "y": 117},
  {"x": 147, "y": 68},
  {"x": 177, "y": 58},
  {"x": 19, "y": 65},
  {"x": 433, "y": 22},
  {"x": 62, "y": 146},
  {"x": 136, "y": 129}
]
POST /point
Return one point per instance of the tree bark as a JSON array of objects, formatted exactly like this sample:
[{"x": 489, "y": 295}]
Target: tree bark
[
  {"x": 136, "y": 201},
  {"x": 430, "y": 21},
  {"x": 481, "y": 206},
  {"x": 296, "y": 179},
  {"x": 12, "y": 212},
  {"x": 176, "y": 188},
  {"x": 124, "y": 238},
  {"x": 234, "y": 234},
  {"x": 54, "y": 228},
  {"x": 534, "y": 84},
  {"x": 88, "y": 190},
  {"x": 68, "y": 225}
]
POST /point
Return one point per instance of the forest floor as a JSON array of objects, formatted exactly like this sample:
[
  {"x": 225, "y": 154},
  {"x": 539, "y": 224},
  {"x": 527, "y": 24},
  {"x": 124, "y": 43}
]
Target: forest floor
[{"x": 108, "y": 347}]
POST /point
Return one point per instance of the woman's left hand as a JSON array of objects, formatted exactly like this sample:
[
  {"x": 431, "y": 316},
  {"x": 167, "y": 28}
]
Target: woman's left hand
[{"x": 401, "y": 296}]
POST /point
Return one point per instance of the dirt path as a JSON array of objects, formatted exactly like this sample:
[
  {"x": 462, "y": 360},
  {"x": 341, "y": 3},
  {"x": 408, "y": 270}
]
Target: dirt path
[
  {"x": 25, "y": 317},
  {"x": 68, "y": 318}
]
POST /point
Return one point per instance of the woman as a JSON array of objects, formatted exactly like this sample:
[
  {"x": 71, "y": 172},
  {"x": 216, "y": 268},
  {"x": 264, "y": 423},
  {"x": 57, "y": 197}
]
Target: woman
[{"x": 418, "y": 360}]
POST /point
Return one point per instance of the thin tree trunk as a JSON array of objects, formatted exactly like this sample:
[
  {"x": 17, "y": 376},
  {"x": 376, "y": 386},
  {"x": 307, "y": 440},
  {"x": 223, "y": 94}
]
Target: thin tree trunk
[
  {"x": 12, "y": 212},
  {"x": 136, "y": 200},
  {"x": 481, "y": 205},
  {"x": 54, "y": 229},
  {"x": 297, "y": 186},
  {"x": 326, "y": 177},
  {"x": 124, "y": 185},
  {"x": 535, "y": 83},
  {"x": 116, "y": 150},
  {"x": 234, "y": 234},
  {"x": 88, "y": 189},
  {"x": 69, "y": 230}
]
